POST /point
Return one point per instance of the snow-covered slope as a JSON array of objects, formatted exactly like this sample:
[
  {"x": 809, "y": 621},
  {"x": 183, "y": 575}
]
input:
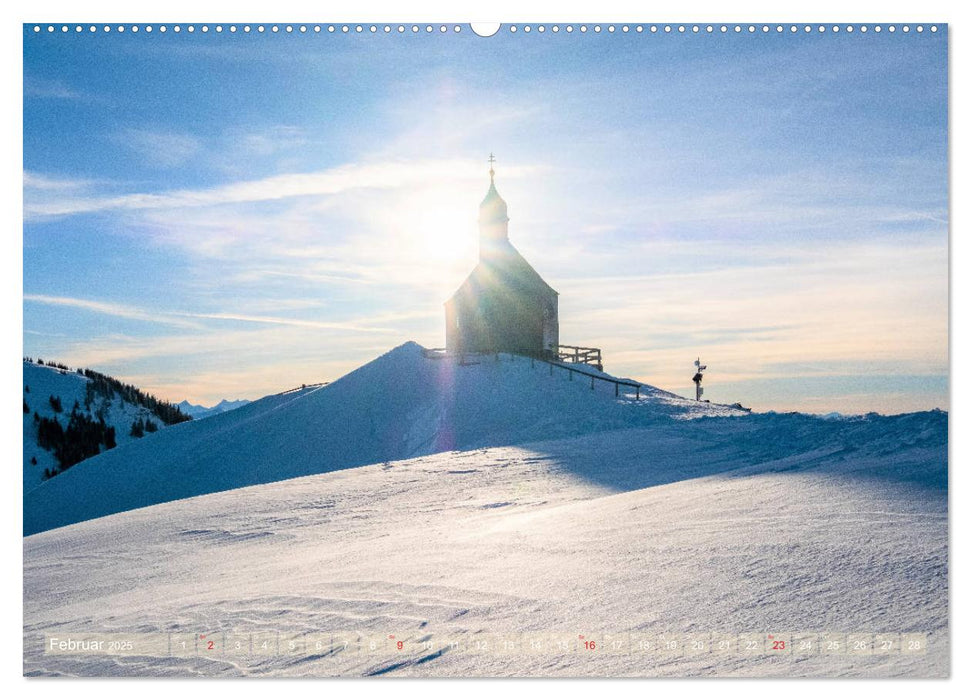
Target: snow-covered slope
[
  {"x": 400, "y": 405},
  {"x": 40, "y": 383},
  {"x": 767, "y": 523}
]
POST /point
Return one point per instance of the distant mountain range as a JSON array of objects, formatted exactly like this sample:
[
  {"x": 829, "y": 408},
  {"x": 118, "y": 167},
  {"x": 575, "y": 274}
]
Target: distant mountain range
[{"x": 198, "y": 412}]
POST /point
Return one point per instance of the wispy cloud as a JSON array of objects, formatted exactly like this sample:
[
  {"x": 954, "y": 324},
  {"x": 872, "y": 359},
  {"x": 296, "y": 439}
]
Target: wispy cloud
[
  {"x": 181, "y": 318},
  {"x": 213, "y": 364},
  {"x": 49, "y": 89},
  {"x": 384, "y": 175},
  {"x": 849, "y": 309},
  {"x": 109, "y": 309},
  {"x": 278, "y": 321},
  {"x": 50, "y": 183},
  {"x": 269, "y": 141},
  {"x": 160, "y": 148}
]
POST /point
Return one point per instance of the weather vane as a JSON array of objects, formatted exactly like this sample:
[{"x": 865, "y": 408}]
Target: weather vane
[{"x": 698, "y": 377}]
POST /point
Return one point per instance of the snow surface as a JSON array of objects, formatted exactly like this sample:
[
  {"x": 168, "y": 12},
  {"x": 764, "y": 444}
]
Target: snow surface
[{"x": 625, "y": 520}]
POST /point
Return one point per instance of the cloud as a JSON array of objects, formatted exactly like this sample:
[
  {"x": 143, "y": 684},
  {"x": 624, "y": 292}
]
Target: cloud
[
  {"x": 392, "y": 234},
  {"x": 108, "y": 309},
  {"x": 162, "y": 149},
  {"x": 269, "y": 141},
  {"x": 213, "y": 364},
  {"x": 850, "y": 309},
  {"x": 275, "y": 320},
  {"x": 344, "y": 178},
  {"x": 49, "y": 89},
  {"x": 180, "y": 318},
  {"x": 49, "y": 183}
]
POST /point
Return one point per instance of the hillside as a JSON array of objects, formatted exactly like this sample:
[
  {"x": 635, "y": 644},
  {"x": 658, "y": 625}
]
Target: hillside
[
  {"x": 97, "y": 398},
  {"x": 712, "y": 528},
  {"x": 400, "y": 405}
]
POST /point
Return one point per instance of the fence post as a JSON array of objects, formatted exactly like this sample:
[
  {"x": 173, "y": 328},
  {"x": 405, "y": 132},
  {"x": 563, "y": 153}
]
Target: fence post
[
  {"x": 571, "y": 375},
  {"x": 591, "y": 383},
  {"x": 616, "y": 389},
  {"x": 638, "y": 392}
]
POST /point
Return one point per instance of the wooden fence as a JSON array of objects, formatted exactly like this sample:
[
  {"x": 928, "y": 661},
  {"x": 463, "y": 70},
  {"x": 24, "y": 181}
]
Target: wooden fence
[
  {"x": 580, "y": 355},
  {"x": 593, "y": 377},
  {"x": 534, "y": 357}
]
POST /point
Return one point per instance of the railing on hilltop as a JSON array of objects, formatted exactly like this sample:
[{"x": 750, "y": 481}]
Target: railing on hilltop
[
  {"x": 534, "y": 357},
  {"x": 300, "y": 388},
  {"x": 558, "y": 363}
]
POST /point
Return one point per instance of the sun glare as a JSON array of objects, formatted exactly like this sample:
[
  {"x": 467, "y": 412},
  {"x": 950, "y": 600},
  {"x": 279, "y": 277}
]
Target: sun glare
[{"x": 438, "y": 230}]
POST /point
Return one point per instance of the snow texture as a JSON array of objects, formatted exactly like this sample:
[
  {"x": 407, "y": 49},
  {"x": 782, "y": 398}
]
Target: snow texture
[{"x": 606, "y": 516}]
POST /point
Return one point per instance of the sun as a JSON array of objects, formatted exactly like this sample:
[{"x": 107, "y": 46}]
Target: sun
[
  {"x": 440, "y": 227},
  {"x": 430, "y": 232}
]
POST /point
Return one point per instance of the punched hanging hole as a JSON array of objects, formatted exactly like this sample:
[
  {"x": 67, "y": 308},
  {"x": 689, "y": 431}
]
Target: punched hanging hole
[{"x": 485, "y": 29}]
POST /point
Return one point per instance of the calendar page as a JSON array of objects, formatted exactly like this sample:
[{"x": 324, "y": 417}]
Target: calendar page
[{"x": 449, "y": 350}]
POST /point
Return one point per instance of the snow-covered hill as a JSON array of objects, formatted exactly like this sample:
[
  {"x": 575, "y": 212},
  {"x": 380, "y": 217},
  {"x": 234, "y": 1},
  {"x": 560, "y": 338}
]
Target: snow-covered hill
[
  {"x": 782, "y": 524},
  {"x": 440, "y": 501},
  {"x": 198, "y": 411},
  {"x": 401, "y": 405},
  {"x": 41, "y": 382}
]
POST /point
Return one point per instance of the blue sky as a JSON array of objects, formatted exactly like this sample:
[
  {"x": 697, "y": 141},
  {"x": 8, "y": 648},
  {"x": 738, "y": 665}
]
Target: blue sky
[{"x": 227, "y": 215}]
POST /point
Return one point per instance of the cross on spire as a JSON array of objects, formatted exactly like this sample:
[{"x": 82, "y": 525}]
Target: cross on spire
[{"x": 492, "y": 171}]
